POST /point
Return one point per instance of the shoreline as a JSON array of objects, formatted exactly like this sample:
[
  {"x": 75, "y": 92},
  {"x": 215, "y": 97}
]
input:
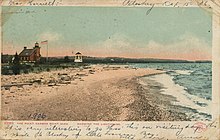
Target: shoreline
[
  {"x": 183, "y": 101},
  {"x": 95, "y": 93},
  {"x": 151, "y": 105}
]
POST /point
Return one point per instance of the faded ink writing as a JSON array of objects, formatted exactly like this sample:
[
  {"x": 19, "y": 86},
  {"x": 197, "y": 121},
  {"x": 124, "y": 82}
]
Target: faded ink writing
[{"x": 133, "y": 130}]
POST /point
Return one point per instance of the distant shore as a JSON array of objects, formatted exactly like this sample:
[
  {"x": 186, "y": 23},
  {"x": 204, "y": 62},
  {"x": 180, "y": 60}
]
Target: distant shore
[{"x": 89, "y": 93}]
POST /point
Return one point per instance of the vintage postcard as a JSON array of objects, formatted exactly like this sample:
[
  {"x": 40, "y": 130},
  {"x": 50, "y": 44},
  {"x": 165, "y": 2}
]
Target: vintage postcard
[{"x": 129, "y": 70}]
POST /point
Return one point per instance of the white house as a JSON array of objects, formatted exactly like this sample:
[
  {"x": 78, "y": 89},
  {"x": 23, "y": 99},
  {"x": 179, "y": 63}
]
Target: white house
[{"x": 78, "y": 57}]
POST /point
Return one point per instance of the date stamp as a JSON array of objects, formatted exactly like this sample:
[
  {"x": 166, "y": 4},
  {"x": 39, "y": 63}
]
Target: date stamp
[{"x": 199, "y": 127}]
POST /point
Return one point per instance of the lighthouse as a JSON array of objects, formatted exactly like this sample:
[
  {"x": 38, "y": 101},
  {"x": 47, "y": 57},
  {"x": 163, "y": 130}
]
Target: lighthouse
[{"x": 78, "y": 57}]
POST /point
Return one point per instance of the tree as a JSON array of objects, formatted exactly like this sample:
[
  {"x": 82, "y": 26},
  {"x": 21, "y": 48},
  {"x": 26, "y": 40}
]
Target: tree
[
  {"x": 66, "y": 59},
  {"x": 16, "y": 64}
]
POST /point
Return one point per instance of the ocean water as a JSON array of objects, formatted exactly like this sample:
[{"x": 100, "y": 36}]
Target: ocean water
[{"x": 190, "y": 83}]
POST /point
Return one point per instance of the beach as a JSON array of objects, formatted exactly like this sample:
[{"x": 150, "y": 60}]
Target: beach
[{"x": 88, "y": 93}]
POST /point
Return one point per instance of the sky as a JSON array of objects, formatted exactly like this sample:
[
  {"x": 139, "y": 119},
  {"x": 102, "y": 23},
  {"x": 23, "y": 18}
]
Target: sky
[{"x": 165, "y": 33}]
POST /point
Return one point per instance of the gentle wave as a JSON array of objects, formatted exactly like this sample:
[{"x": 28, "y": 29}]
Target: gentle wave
[
  {"x": 201, "y": 108},
  {"x": 196, "y": 78}
]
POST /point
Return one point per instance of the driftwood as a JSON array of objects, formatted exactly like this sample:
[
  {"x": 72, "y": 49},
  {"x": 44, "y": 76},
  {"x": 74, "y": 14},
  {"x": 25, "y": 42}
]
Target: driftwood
[{"x": 17, "y": 85}]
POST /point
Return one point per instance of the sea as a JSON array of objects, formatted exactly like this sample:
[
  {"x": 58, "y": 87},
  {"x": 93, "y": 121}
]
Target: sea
[{"x": 190, "y": 83}]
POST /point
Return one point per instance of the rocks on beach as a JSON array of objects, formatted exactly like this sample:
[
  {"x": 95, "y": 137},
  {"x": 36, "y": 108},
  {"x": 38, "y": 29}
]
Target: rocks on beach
[
  {"x": 103, "y": 92},
  {"x": 52, "y": 78}
]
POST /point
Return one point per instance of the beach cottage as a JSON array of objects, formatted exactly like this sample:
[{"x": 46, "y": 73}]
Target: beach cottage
[
  {"x": 30, "y": 55},
  {"x": 78, "y": 57}
]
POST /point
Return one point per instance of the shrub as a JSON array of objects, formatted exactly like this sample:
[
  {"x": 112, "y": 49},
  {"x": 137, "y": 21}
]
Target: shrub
[
  {"x": 16, "y": 64},
  {"x": 5, "y": 71},
  {"x": 31, "y": 69},
  {"x": 26, "y": 71}
]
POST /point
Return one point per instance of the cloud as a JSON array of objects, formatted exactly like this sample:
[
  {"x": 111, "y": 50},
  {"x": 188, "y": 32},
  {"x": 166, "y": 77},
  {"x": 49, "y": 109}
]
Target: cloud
[
  {"x": 188, "y": 47},
  {"x": 112, "y": 46},
  {"x": 50, "y": 36}
]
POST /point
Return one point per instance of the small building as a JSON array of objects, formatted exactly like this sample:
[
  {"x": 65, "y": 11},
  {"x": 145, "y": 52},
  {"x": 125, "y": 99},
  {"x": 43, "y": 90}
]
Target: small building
[
  {"x": 78, "y": 57},
  {"x": 6, "y": 58},
  {"x": 30, "y": 55}
]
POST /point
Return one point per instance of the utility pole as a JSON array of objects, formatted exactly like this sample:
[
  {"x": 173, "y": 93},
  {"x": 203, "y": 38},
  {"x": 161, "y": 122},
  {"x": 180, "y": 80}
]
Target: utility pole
[{"x": 47, "y": 50}]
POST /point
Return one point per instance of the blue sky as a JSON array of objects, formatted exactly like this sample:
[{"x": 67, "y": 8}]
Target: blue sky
[{"x": 109, "y": 31}]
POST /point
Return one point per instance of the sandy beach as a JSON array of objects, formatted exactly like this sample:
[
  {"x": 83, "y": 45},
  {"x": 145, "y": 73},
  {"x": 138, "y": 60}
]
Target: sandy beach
[{"x": 89, "y": 93}]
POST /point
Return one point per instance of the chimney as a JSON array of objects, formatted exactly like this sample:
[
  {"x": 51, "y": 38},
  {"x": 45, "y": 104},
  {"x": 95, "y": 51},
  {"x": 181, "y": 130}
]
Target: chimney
[
  {"x": 36, "y": 45},
  {"x": 25, "y": 48}
]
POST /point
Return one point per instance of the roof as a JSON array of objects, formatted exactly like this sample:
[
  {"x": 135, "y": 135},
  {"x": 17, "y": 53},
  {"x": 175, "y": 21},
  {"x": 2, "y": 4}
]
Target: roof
[
  {"x": 27, "y": 52},
  {"x": 78, "y": 53}
]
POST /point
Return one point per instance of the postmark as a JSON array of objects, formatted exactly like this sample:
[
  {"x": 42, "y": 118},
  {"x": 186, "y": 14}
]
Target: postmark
[{"x": 200, "y": 127}]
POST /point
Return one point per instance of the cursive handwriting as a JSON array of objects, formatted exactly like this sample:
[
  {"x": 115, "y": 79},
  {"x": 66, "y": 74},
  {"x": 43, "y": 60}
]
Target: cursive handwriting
[
  {"x": 177, "y": 128},
  {"x": 151, "y": 4},
  {"x": 46, "y": 3},
  {"x": 137, "y": 3},
  {"x": 116, "y": 131},
  {"x": 37, "y": 116},
  {"x": 128, "y": 131},
  {"x": 148, "y": 135},
  {"x": 168, "y": 3},
  {"x": 150, "y": 9},
  {"x": 35, "y": 3}
]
